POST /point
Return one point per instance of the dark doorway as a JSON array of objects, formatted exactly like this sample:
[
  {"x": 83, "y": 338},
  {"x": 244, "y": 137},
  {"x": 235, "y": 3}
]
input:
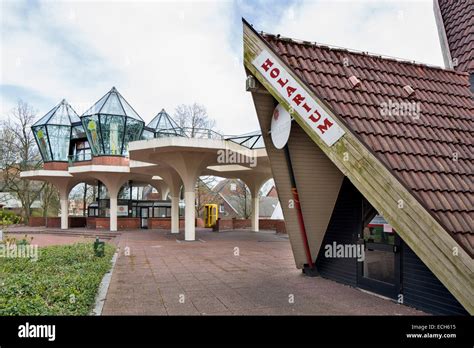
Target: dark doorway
[{"x": 379, "y": 272}]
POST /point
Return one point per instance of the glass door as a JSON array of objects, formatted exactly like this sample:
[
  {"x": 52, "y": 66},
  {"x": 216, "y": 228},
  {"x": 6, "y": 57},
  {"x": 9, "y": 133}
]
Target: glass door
[
  {"x": 379, "y": 271},
  {"x": 144, "y": 217}
]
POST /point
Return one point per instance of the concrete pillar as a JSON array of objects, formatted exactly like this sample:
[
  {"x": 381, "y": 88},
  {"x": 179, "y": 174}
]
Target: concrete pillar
[
  {"x": 255, "y": 211},
  {"x": 174, "y": 214},
  {"x": 189, "y": 213},
  {"x": 113, "y": 213},
  {"x": 64, "y": 198},
  {"x": 254, "y": 184},
  {"x": 113, "y": 184}
]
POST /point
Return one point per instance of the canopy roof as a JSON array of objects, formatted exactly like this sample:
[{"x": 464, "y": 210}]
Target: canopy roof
[
  {"x": 62, "y": 115},
  {"x": 113, "y": 104}
]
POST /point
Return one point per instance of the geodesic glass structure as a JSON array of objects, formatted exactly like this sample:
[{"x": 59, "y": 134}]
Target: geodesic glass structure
[
  {"x": 53, "y": 132},
  {"x": 164, "y": 126},
  {"x": 110, "y": 124}
]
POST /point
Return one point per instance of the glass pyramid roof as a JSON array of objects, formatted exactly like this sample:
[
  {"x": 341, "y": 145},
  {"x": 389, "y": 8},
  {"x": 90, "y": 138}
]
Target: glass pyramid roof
[
  {"x": 113, "y": 104},
  {"x": 163, "y": 122},
  {"x": 62, "y": 115}
]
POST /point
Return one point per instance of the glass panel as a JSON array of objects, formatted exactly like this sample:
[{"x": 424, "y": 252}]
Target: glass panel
[
  {"x": 91, "y": 125},
  {"x": 95, "y": 109},
  {"x": 45, "y": 118},
  {"x": 112, "y": 128},
  {"x": 78, "y": 132},
  {"x": 379, "y": 265},
  {"x": 375, "y": 233},
  {"x": 133, "y": 132},
  {"x": 103, "y": 194},
  {"x": 112, "y": 106},
  {"x": 129, "y": 110},
  {"x": 124, "y": 192},
  {"x": 43, "y": 143},
  {"x": 146, "y": 134},
  {"x": 60, "y": 117},
  {"x": 59, "y": 140}
]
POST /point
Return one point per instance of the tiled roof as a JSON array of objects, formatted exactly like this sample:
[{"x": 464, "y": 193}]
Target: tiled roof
[
  {"x": 458, "y": 19},
  {"x": 419, "y": 149}
]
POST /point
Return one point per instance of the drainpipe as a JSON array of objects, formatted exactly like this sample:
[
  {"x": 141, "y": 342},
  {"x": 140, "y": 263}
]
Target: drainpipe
[{"x": 308, "y": 269}]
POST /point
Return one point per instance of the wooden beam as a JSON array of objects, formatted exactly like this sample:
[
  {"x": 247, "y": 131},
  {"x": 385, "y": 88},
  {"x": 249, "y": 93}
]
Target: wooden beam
[{"x": 415, "y": 225}]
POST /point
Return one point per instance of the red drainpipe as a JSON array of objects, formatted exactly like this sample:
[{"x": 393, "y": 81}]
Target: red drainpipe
[{"x": 296, "y": 199}]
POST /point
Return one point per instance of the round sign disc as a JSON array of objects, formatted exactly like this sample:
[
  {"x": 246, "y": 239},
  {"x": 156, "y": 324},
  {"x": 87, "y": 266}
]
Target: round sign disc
[{"x": 280, "y": 127}]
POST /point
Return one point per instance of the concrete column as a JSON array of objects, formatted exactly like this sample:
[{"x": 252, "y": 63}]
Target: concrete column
[
  {"x": 254, "y": 184},
  {"x": 64, "y": 197},
  {"x": 175, "y": 214},
  {"x": 113, "y": 213},
  {"x": 255, "y": 211},
  {"x": 189, "y": 213}
]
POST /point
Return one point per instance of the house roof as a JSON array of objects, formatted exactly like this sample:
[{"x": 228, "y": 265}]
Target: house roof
[
  {"x": 420, "y": 149},
  {"x": 458, "y": 20}
]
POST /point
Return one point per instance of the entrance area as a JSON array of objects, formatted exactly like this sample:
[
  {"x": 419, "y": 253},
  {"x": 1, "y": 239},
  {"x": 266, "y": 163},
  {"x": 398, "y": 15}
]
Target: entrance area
[
  {"x": 144, "y": 217},
  {"x": 379, "y": 272}
]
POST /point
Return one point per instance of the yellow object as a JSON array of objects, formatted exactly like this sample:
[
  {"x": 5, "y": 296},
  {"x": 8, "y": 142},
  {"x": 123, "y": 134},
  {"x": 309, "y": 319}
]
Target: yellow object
[{"x": 210, "y": 215}]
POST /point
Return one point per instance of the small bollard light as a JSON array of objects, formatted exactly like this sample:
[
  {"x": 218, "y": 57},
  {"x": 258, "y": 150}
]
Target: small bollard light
[{"x": 99, "y": 247}]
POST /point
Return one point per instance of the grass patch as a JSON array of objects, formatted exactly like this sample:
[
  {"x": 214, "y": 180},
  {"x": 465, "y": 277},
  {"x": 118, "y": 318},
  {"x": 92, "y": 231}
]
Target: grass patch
[{"x": 63, "y": 281}]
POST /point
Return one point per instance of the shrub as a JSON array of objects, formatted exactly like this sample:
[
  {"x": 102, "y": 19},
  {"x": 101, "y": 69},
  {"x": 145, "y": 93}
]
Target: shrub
[{"x": 63, "y": 281}]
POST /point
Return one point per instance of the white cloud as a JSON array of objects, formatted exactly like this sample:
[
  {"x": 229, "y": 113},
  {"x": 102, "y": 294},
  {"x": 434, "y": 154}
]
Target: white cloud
[
  {"x": 161, "y": 54},
  {"x": 158, "y": 54},
  {"x": 402, "y": 29}
]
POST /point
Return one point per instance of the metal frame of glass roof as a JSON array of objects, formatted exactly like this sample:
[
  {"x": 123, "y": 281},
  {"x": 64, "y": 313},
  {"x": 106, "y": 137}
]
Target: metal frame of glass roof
[{"x": 103, "y": 125}]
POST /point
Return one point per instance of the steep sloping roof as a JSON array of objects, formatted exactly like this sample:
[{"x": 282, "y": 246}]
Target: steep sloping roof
[
  {"x": 431, "y": 152},
  {"x": 458, "y": 20},
  {"x": 62, "y": 115},
  {"x": 163, "y": 123},
  {"x": 113, "y": 103}
]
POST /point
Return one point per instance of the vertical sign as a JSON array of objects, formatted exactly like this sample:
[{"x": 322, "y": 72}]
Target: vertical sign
[{"x": 290, "y": 90}]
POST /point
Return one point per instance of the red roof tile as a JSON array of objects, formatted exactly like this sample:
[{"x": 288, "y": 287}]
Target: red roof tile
[
  {"x": 458, "y": 19},
  {"x": 419, "y": 150}
]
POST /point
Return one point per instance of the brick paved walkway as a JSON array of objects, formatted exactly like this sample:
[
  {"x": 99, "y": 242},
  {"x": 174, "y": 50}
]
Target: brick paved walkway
[{"x": 235, "y": 272}]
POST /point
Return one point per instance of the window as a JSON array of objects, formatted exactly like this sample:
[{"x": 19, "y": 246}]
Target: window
[{"x": 233, "y": 187}]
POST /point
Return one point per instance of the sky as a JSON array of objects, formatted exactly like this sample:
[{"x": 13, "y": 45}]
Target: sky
[{"x": 160, "y": 54}]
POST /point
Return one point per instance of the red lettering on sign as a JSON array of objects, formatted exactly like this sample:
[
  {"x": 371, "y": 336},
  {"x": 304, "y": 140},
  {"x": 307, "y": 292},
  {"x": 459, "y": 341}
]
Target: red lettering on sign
[
  {"x": 315, "y": 119},
  {"x": 281, "y": 82},
  {"x": 274, "y": 73},
  {"x": 306, "y": 107},
  {"x": 325, "y": 126},
  {"x": 268, "y": 63},
  {"x": 290, "y": 90},
  {"x": 298, "y": 99}
]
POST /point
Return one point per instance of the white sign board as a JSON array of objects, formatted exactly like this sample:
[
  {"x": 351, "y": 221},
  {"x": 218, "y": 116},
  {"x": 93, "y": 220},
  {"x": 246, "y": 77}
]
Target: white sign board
[
  {"x": 122, "y": 210},
  {"x": 290, "y": 90},
  {"x": 280, "y": 127}
]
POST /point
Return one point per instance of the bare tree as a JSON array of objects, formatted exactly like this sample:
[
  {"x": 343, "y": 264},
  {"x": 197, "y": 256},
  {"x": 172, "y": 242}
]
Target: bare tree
[
  {"x": 50, "y": 200},
  {"x": 194, "y": 118},
  {"x": 243, "y": 199},
  {"x": 19, "y": 153}
]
